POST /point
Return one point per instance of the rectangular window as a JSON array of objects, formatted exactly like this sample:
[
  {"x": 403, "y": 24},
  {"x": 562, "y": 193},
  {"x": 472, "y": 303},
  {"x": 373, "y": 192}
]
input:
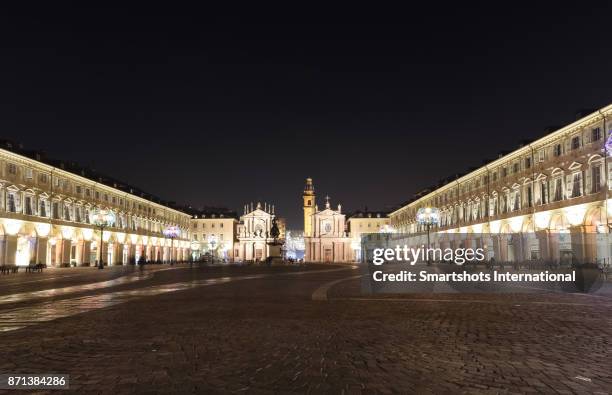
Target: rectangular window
[
  {"x": 595, "y": 134},
  {"x": 575, "y": 142},
  {"x": 558, "y": 190},
  {"x": 515, "y": 168},
  {"x": 28, "y": 205},
  {"x": 79, "y": 190},
  {"x": 11, "y": 168},
  {"x": 28, "y": 174},
  {"x": 576, "y": 181},
  {"x": 527, "y": 163},
  {"x": 557, "y": 150},
  {"x": 504, "y": 171},
  {"x": 42, "y": 178},
  {"x": 541, "y": 155},
  {"x": 595, "y": 179},
  {"x": 529, "y": 197}
]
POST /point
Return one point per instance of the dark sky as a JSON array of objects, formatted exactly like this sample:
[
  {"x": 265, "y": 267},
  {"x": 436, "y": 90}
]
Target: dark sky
[{"x": 215, "y": 108}]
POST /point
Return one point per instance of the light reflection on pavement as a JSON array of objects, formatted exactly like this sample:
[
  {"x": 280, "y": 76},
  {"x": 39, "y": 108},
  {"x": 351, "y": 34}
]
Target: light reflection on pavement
[
  {"x": 26, "y": 296},
  {"x": 21, "y": 317}
]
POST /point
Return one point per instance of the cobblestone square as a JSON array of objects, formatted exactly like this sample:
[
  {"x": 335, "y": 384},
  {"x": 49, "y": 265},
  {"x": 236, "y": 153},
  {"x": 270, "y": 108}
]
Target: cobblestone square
[{"x": 249, "y": 329}]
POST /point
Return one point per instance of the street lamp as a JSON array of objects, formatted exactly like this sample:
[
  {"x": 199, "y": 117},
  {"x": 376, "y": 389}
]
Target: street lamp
[
  {"x": 102, "y": 218},
  {"x": 172, "y": 232},
  {"x": 212, "y": 242},
  {"x": 195, "y": 246},
  {"x": 428, "y": 216}
]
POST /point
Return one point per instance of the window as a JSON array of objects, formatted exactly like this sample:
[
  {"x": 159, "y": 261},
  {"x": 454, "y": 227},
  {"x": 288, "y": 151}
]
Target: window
[
  {"x": 515, "y": 168},
  {"x": 87, "y": 192},
  {"x": 543, "y": 192},
  {"x": 576, "y": 184},
  {"x": 558, "y": 190},
  {"x": 221, "y": 225},
  {"x": 504, "y": 171},
  {"x": 595, "y": 179},
  {"x": 42, "y": 210},
  {"x": 541, "y": 155},
  {"x": 195, "y": 237},
  {"x": 11, "y": 168},
  {"x": 595, "y": 134},
  {"x": 575, "y": 142},
  {"x": 529, "y": 197},
  {"x": 28, "y": 205},
  {"x": 28, "y": 174},
  {"x": 97, "y": 195},
  {"x": 79, "y": 190},
  {"x": 55, "y": 210},
  {"x": 11, "y": 206},
  {"x": 42, "y": 178},
  {"x": 527, "y": 163},
  {"x": 557, "y": 150}
]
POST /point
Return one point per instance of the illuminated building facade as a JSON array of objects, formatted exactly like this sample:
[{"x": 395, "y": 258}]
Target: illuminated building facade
[
  {"x": 327, "y": 240},
  {"x": 360, "y": 223},
  {"x": 45, "y": 209},
  {"x": 550, "y": 197},
  {"x": 254, "y": 238},
  {"x": 214, "y": 233}
]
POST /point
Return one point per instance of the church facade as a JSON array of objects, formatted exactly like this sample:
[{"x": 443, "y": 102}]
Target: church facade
[
  {"x": 254, "y": 233},
  {"x": 325, "y": 238}
]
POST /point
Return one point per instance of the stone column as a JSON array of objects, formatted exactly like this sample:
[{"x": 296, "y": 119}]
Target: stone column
[
  {"x": 10, "y": 249},
  {"x": 86, "y": 253},
  {"x": 578, "y": 238},
  {"x": 66, "y": 244},
  {"x": 41, "y": 250},
  {"x": 544, "y": 244}
]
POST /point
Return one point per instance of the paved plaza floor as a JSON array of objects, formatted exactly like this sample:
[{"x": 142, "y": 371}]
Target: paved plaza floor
[{"x": 299, "y": 329}]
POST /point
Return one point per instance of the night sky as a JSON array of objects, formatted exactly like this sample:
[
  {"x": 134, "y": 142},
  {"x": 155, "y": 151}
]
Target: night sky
[{"x": 214, "y": 108}]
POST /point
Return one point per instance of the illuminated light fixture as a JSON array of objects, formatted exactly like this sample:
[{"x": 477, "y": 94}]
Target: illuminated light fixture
[
  {"x": 195, "y": 245},
  {"x": 153, "y": 240},
  {"x": 145, "y": 240},
  {"x": 102, "y": 218},
  {"x": 42, "y": 230},
  {"x": 134, "y": 239},
  {"x": 87, "y": 234},
  {"x": 575, "y": 214},
  {"x": 172, "y": 232},
  {"x": 52, "y": 241},
  {"x": 12, "y": 226},
  {"x": 120, "y": 237},
  {"x": 516, "y": 224},
  {"x": 495, "y": 226},
  {"x": 608, "y": 145},
  {"x": 542, "y": 220},
  {"x": 67, "y": 232},
  {"x": 428, "y": 216}
]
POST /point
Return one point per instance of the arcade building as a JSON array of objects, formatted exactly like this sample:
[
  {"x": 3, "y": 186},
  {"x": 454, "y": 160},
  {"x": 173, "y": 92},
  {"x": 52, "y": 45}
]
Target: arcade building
[
  {"x": 46, "y": 209},
  {"x": 547, "y": 200}
]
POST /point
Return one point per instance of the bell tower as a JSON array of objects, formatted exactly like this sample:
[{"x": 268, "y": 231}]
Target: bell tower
[{"x": 309, "y": 207}]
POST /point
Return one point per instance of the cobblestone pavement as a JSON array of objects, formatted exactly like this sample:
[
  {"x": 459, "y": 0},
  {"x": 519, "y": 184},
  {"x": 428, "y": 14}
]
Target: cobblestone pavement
[{"x": 264, "y": 334}]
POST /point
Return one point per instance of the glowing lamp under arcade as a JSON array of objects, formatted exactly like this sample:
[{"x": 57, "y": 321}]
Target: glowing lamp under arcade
[{"x": 172, "y": 232}]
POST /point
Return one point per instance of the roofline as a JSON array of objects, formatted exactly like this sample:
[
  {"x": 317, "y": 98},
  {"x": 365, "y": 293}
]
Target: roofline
[
  {"x": 85, "y": 180},
  {"x": 600, "y": 113}
]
